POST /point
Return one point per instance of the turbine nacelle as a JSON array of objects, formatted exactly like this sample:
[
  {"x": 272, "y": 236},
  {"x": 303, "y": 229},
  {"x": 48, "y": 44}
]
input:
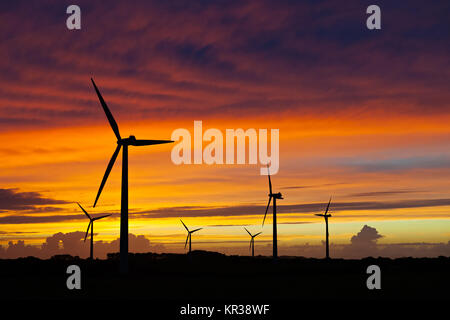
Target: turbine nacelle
[
  {"x": 276, "y": 195},
  {"x": 192, "y": 231},
  {"x": 132, "y": 141},
  {"x": 127, "y": 141}
]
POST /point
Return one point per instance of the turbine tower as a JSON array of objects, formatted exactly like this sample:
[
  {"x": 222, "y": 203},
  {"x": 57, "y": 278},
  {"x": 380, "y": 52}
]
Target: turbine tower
[
  {"x": 189, "y": 236},
  {"x": 121, "y": 142},
  {"x": 252, "y": 241},
  {"x": 91, "y": 226},
  {"x": 273, "y": 196},
  {"x": 326, "y": 216}
]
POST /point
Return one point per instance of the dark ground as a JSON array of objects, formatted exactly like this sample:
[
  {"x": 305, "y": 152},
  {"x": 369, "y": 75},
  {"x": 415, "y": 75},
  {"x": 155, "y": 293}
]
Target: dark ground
[
  {"x": 208, "y": 275},
  {"x": 212, "y": 278}
]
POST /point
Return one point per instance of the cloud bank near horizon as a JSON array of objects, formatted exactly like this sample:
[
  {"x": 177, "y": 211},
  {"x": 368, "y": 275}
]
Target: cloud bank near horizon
[{"x": 363, "y": 244}]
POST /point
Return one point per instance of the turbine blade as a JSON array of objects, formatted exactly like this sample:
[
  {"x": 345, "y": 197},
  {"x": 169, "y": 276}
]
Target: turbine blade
[
  {"x": 248, "y": 231},
  {"x": 101, "y": 217},
  {"x": 187, "y": 240},
  {"x": 257, "y": 234},
  {"x": 184, "y": 225},
  {"x": 319, "y": 215},
  {"x": 268, "y": 204},
  {"x": 270, "y": 182},
  {"x": 84, "y": 211},
  {"x": 328, "y": 206},
  {"x": 250, "y": 248},
  {"x": 108, "y": 170},
  {"x": 87, "y": 231},
  {"x": 108, "y": 113},
  {"x": 149, "y": 142},
  {"x": 196, "y": 230}
]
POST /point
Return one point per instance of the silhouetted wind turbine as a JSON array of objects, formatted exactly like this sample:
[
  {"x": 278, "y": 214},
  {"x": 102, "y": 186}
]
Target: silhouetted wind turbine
[
  {"x": 252, "y": 241},
  {"x": 91, "y": 225},
  {"x": 189, "y": 236},
  {"x": 273, "y": 196},
  {"x": 326, "y": 216},
  {"x": 121, "y": 142}
]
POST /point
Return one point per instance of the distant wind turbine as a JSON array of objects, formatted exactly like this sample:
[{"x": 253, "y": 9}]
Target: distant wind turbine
[
  {"x": 252, "y": 241},
  {"x": 91, "y": 226},
  {"x": 189, "y": 236},
  {"x": 125, "y": 142},
  {"x": 326, "y": 216},
  {"x": 273, "y": 196}
]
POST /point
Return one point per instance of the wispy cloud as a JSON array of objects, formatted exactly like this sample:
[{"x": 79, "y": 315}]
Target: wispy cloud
[
  {"x": 23, "y": 219},
  {"x": 13, "y": 199},
  {"x": 248, "y": 210},
  {"x": 439, "y": 161},
  {"x": 312, "y": 186},
  {"x": 383, "y": 193}
]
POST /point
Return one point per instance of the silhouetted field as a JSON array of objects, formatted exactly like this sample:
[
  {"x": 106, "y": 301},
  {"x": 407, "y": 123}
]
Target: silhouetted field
[{"x": 208, "y": 276}]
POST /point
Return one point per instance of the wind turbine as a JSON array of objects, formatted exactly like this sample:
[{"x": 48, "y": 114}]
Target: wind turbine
[
  {"x": 121, "y": 142},
  {"x": 189, "y": 236},
  {"x": 273, "y": 196},
  {"x": 252, "y": 241},
  {"x": 91, "y": 225},
  {"x": 326, "y": 216}
]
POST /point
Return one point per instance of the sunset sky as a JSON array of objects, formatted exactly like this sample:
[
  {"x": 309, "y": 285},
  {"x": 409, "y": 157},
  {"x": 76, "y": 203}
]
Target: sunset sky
[{"x": 363, "y": 116}]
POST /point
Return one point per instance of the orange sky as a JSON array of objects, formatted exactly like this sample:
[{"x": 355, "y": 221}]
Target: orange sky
[{"x": 72, "y": 171}]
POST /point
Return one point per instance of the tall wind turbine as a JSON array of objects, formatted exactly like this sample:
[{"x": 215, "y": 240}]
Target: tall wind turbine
[
  {"x": 91, "y": 225},
  {"x": 252, "y": 241},
  {"x": 121, "y": 142},
  {"x": 273, "y": 196},
  {"x": 189, "y": 236},
  {"x": 326, "y": 216}
]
